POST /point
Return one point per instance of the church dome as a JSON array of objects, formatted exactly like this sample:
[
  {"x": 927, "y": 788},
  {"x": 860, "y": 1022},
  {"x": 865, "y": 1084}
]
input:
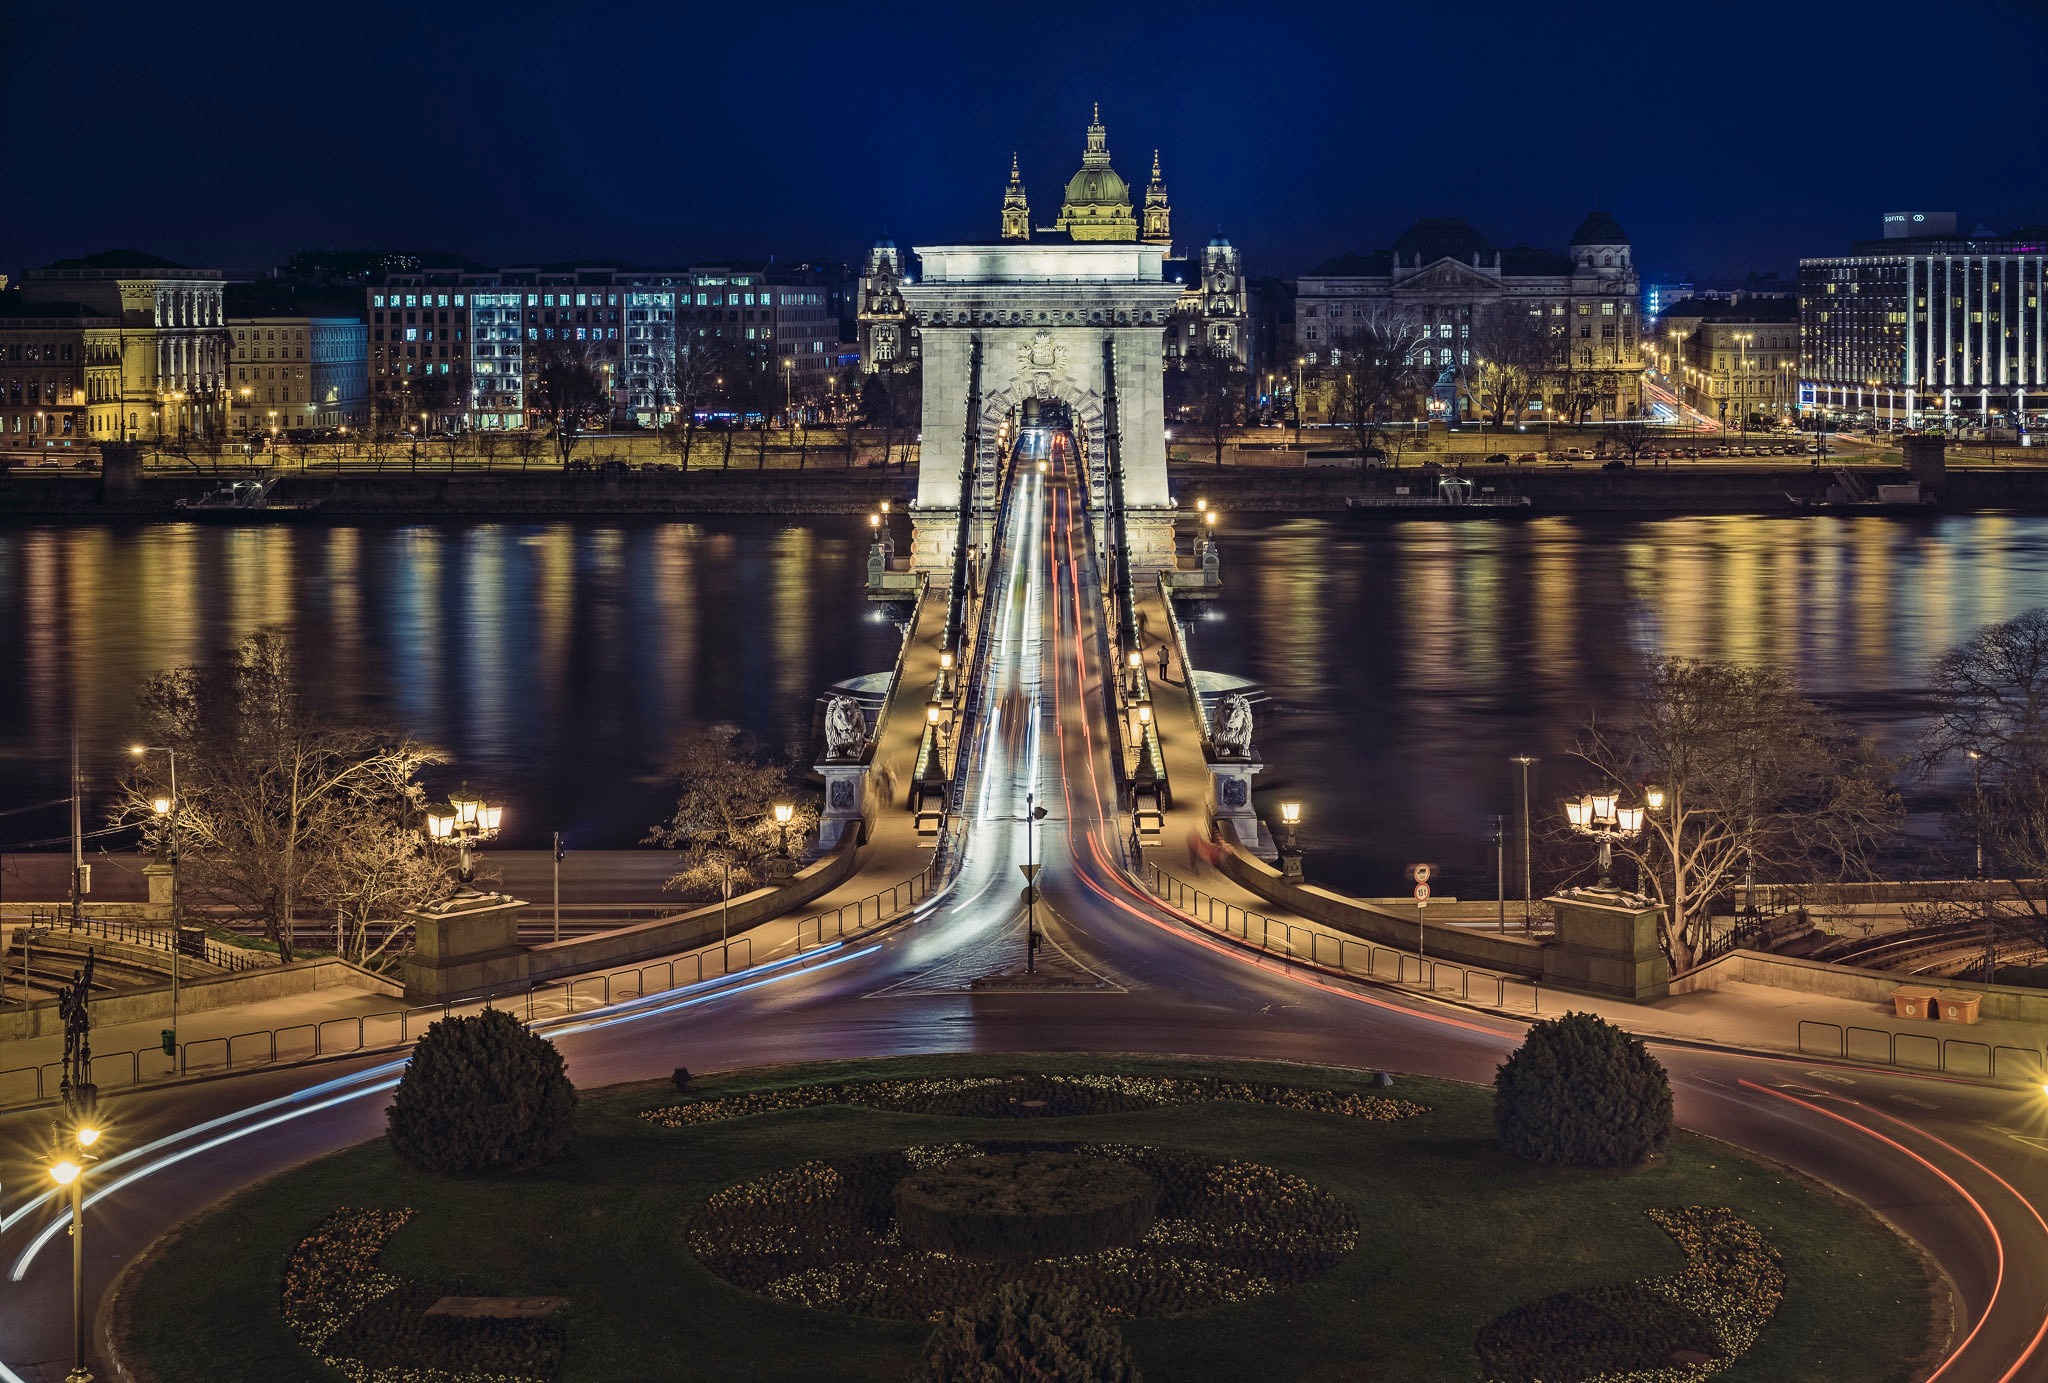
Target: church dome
[
  {"x": 1217, "y": 242},
  {"x": 1599, "y": 229},
  {"x": 1098, "y": 187}
]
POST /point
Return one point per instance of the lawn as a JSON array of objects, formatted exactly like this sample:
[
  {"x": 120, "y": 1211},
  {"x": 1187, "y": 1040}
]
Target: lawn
[{"x": 1453, "y": 1233}]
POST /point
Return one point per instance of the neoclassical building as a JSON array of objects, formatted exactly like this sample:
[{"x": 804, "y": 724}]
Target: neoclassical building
[
  {"x": 1096, "y": 207},
  {"x": 1445, "y": 276}
]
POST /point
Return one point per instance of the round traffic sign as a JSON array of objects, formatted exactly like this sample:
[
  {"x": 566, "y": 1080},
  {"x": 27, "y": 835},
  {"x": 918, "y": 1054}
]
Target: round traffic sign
[
  {"x": 1422, "y": 893},
  {"x": 1421, "y": 873}
]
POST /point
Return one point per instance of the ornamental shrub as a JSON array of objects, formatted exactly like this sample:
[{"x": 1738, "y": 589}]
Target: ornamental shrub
[
  {"x": 481, "y": 1094},
  {"x": 1582, "y": 1092},
  {"x": 1018, "y": 1335}
]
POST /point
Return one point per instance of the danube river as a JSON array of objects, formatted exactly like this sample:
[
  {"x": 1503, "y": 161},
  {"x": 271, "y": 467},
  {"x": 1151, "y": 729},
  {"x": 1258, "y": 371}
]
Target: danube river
[{"x": 557, "y": 663}]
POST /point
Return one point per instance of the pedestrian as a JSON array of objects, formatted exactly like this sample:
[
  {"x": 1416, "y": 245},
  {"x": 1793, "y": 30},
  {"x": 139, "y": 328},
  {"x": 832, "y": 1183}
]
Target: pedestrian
[{"x": 1162, "y": 662}]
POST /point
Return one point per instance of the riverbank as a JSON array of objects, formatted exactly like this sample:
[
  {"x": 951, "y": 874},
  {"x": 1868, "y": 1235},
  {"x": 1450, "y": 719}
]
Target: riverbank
[{"x": 1679, "y": 488}]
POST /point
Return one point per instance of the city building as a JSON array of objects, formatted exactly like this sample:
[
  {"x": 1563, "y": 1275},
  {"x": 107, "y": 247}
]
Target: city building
[
  {"x": 1927, "y": 325},
  {"x": 1445, "y": 278},
  {"x": 459, "y": 346},
  {"x": 162, "y": 325},
  {"x": 48, "y": 372},
  {"x": 887, "y": 339},
  {"x": 297, "y": 372},
  {"x": 1733, "y": 360}
]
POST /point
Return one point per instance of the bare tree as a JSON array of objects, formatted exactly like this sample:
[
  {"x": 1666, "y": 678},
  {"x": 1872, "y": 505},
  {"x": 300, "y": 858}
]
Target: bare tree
[
  {"x": 1631, "y": 437},
  {"x": 489, "y": 442},
  {"x": 1209, "y": 384},
  {"x": 695, "y": 371},
  {"x": 568, "y": 391},
  {"x": 276, "y": 798},
  {"x": 1509, "y": 351},
  {"x": 1759, "y": 784},
  {"x": 526, "y": 444},
  {"x": 724, "y": 822},
  {"x": 1377, "y": 376}
]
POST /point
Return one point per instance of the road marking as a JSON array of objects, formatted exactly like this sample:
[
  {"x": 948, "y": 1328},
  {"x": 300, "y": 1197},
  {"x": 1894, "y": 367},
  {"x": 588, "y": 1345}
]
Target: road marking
[{"x": 1837, "y": 1077}]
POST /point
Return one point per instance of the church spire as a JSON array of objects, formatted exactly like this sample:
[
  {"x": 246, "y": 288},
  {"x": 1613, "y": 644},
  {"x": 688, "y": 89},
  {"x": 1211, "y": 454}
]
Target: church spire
[
  {"x": 1096, "y": 155},
  {"x": 1016, "y": 210},
  {"x": 1158, "y": 223}
]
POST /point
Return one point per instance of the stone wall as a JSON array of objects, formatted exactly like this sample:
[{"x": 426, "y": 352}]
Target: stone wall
[
  {"x": 1850, "y": 982},
  {"x": 199, "y": 996}
]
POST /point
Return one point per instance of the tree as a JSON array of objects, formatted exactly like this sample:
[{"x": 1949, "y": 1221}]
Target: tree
[
  {"x": 1990, "y": 697},
  {"x": 1582, "y": 1092},
  {"x": 1018, "y": 1333},
  {"x": 481, "y": 1094},
  {"x": 1209, "y": 384},
  {"x": 1631, "y": 437},
  {"x": 695, "y": 371},
  {"x": 1377, "y": 376},
  {"x": 723, "y": 822},
  {"x": 276, "y": 798},
  {"x": 568, "y": 390},
  {"x": 526, "y": 444},
  {"x": 1758, "y": 783},
  {"x": 377, "y": 870},
  {"x": 1509, "y": 351}
]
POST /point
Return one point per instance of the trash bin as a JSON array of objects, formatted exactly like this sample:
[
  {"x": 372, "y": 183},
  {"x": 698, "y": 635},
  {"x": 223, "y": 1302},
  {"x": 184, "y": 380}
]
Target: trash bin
[
  {"x": 192, "y": 942},
  {"x": 169, "y": 1037},
  {"x": 1914, "y": 1001},
  {"x": 1958, "y": 1006}
]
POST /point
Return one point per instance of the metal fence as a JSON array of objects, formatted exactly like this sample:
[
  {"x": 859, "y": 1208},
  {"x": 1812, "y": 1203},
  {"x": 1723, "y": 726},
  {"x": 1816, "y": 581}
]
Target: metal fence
[
  {"x": 1922, "y": 1051},
  {"x": 1345, "y": 955},
  {"x": 155, "y": 938}
]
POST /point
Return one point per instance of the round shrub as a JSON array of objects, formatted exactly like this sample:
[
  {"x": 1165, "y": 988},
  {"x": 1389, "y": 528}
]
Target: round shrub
[
  {"x": 1018, "y": 1335},
  {"x": 1582, "y": 1092},
  {"x": 481, "y": 1094}
]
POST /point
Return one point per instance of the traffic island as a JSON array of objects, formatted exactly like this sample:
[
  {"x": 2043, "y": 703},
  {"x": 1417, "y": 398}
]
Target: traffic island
[{"x": 1316, "y": 1224}]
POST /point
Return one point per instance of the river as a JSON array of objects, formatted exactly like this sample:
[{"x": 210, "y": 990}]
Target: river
[{"x": 557, "y": 663}]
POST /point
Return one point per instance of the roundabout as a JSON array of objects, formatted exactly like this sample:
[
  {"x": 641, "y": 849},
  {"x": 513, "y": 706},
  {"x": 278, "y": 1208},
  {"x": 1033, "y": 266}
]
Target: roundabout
[{"x": 1296, "y": 1221}]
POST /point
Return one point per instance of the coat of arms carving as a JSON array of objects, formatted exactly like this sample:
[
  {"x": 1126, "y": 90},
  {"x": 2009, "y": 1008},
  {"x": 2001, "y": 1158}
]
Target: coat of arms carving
[{"x": 1042, "y": 354}]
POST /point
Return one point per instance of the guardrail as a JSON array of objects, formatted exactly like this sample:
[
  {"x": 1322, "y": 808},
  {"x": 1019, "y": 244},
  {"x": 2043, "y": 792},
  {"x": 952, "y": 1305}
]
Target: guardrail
[
  {"x": 1920, "y": 1051},
  {"x": 1187, "y": 667},
  {"x": 887, "y": 903},
  {"x": 134, "y": 934},
  {"x": 1345, "y": 955}
]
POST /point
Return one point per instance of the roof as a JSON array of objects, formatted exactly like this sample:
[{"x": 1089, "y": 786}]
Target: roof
[
  {"x": 1351, "y": 264},
  {"x": 1599, "y": 229},
  {"x": 116, "y": 259},
  {"x": 1525, "y": 262},
  {"x": 1754, "y": 308},
  {"x": 1098, "y": 187},
  {"x": 15, "y": 305},
  {"x": 1441, "y": 237}
]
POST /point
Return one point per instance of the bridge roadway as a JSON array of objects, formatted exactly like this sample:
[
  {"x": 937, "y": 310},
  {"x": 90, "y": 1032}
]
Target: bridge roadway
[{"x": 1955, "y": 1165}]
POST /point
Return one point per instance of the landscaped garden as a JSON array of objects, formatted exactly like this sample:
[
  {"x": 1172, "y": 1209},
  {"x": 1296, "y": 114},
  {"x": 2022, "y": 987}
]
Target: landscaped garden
[{"x": 1230, "y": 1220}]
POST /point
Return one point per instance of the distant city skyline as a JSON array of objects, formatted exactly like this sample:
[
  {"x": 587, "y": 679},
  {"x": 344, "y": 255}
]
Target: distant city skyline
[{"x": 675, "y": 139}]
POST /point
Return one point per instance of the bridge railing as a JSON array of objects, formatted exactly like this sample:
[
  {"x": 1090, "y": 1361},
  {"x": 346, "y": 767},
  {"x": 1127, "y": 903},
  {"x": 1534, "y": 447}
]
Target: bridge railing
[
  {"x": 1919, "y": 1051},
  {"x": 162, "y": 938},
  {"x": 394, "y": 1028},
  {"x": 1343, "y": 955},
  {"x": 1179, "y": 635}
]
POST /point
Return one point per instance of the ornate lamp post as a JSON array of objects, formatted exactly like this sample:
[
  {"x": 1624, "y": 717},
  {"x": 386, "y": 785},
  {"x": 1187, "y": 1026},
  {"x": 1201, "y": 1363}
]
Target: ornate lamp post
[
  {"x": 945, "y": 673},
  {"x": 464, "y": 820},
  {"x": 166, "y": 809},
  {"x": 1601, "y": 816},
  {"x": 1290, "y": 852},
  {"x": 783, "y": 812}
]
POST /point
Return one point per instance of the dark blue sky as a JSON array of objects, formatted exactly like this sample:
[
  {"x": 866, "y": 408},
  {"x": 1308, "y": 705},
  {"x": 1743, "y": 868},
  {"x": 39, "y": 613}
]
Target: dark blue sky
[{"x": 1725, "y": 137}]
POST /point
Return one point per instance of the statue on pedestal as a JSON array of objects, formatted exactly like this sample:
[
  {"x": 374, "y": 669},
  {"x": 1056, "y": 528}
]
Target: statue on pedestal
[
  {"x": 1232, "y": 732},
  {"x": 846, "y": 729}
]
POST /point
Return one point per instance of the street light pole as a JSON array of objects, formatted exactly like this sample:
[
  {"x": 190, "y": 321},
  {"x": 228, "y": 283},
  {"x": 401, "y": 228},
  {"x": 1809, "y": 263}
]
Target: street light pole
[
  {"x": 1527, "y": 876},
  {"x": 170, "y": 812}
]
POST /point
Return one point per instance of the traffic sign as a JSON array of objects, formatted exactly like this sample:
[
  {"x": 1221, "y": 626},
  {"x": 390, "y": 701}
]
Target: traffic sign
[
  {"x": 1422, "y": 893},
  {"x": 1030, "y": 871},
  {"x": 1421, "y": 873}
]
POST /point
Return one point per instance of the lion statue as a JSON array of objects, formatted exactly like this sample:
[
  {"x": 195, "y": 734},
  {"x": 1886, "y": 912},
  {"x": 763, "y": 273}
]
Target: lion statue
[
  {"x": 846, "y": 729},
  {"x": 1232, "y": 733}
]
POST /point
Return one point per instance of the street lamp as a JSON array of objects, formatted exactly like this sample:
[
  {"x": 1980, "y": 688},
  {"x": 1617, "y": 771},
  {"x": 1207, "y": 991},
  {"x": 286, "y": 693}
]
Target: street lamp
[
  {"x": 166, "y": 808},
  {"x": 1977, "y": 808},
  {"x": 945, "y": 672},
  {"x": 464, "y": 820},
  {"x": 1033, "y": 814},
  {"x": 1601, "y": 816},
  {"x": 1290, "y": 853},
  {"x": 783, "y": 812},
  {"x": 1527, "y": 879},
  {"x": 1135, "y": 661}
]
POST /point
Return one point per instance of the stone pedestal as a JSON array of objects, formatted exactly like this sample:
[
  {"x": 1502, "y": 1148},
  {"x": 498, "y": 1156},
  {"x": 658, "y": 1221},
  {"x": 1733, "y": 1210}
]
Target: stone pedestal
[
  {"x": 159, "y": 876},
  {"x": 846, "y": 797},
  {"x": 1150, "y": 532},
  {"x": 933, "y": 533},
  {"x": 463, "y": 946},
  {"x": 1607, "y": 944},
  {"x": 1230, "y": 800}
]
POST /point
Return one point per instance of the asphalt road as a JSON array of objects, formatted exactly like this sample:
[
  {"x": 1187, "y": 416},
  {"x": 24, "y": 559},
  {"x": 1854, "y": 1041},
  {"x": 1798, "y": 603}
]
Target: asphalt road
[{"x": 1956, "y": 1166}]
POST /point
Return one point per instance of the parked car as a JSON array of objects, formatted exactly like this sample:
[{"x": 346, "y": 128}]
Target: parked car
[
  {"x": 1574, "y": 453},
  {"x": 614, "y": 467},
  {"x": 1615, "y": 465},
  {"x": 1499, "y": 458},
  {"x": 1526, "y": 458},
  {"x": 578, "y": 466}
]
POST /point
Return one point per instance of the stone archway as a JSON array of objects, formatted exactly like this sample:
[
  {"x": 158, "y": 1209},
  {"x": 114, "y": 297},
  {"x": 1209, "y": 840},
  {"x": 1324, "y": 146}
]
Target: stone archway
[{"x": 1042, "y": 315}]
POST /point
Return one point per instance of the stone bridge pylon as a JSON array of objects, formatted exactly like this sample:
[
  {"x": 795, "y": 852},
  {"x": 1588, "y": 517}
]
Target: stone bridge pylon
[{"x": 1042, "y": 313}]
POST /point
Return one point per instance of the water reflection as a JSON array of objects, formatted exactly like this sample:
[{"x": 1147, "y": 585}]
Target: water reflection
[
  {"x": 557, "y": 663},
  {"x": 1409, "y": 661}
]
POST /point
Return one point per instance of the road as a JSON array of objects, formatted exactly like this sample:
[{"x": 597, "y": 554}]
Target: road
[{"x": 1956, "y": 1166}]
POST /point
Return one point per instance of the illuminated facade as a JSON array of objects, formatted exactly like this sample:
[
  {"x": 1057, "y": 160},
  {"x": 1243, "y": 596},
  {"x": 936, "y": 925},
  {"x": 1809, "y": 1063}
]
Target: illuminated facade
[
  {"x": 48, "y": 373},
  {"x": 1928, "y": 329},
  {"x": 291, "y": 372},
  {"x": 162, "y": 326},
  {"x": 1735, "y": 360},
  {"x": 1444, "y": 276}
]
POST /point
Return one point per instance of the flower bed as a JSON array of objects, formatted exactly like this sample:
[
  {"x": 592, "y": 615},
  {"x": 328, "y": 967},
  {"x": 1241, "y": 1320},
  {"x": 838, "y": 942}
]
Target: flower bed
[
  {"x": 1031, "y": 1097},
  {"x": 1025, "y": 1205},
  {"x": 1662, "y": 1330},
  {"x": 824, "y": 1234},
  {"x": 372, "y": 1326}
]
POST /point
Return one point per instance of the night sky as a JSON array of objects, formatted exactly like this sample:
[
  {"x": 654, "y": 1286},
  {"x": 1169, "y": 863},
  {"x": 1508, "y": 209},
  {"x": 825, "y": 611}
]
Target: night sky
[{"x": 1726, "y": 138}]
